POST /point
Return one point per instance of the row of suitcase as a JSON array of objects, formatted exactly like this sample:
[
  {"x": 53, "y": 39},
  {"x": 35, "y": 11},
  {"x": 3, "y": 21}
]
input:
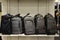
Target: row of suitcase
[{"x": 28, "y": 25}]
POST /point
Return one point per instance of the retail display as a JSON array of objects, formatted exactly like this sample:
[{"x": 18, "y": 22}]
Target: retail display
[{"x": 28, "y": 25}]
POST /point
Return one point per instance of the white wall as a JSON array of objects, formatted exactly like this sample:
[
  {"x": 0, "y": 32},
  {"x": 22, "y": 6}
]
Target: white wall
[
  {"x": 28, "y": 6},
  {"x": 0, "y": 0}
]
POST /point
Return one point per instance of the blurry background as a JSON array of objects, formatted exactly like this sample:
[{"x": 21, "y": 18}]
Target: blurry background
[{"x": 30, "y": 7}]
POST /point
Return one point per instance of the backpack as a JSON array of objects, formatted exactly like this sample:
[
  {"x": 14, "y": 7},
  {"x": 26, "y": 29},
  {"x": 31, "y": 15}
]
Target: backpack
[
  {"x": 23, "y": 22},
  {"x": 6, "y": 24},
  {"x": 39, "y": 24},
  {"x": 50, "y": 24},
  {"x": 29, "y": 25},
  {"x": 16, "y": 23}
]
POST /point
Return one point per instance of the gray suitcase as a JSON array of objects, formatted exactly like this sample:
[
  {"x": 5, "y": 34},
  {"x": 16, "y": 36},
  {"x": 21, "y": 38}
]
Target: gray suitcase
[
  {"x": 16, "y": 25},
  {"x": 29, "y": 25},
  {"x": 50, "y": 24},
  {"x": 39, "y": 24}
]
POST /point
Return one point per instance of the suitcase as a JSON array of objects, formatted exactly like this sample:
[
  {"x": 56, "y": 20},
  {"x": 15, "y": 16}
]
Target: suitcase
[
  {"x": 6, "y": 24},
  {"x": 39, "y": 24},
  {"x": 16, "y": 23},
  {"x": 29, "y": 25},
  {"x": 50, "y": 24}
]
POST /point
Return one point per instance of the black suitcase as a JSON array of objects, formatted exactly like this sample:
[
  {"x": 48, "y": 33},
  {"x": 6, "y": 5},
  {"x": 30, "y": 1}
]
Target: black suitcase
[
  {"x": 6, "y": 24},
  {"x": 16, "y": 23},
  {"x": 39, "y": 24},
  {"x": 29, "y": 25},
  {"x": 50, "y": 24}
]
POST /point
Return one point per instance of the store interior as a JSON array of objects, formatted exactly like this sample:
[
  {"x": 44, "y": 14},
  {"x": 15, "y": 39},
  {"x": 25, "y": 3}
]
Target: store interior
[{"x": 29, "y": 9}]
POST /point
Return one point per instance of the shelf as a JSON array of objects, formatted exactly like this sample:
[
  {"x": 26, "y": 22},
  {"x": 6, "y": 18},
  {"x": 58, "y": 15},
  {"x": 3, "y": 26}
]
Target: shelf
[{"x": 32, "y": 35}]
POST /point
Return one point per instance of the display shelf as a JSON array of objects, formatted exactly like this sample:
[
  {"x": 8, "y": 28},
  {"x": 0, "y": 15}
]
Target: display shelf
[{"x": 32, "y": 35}]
